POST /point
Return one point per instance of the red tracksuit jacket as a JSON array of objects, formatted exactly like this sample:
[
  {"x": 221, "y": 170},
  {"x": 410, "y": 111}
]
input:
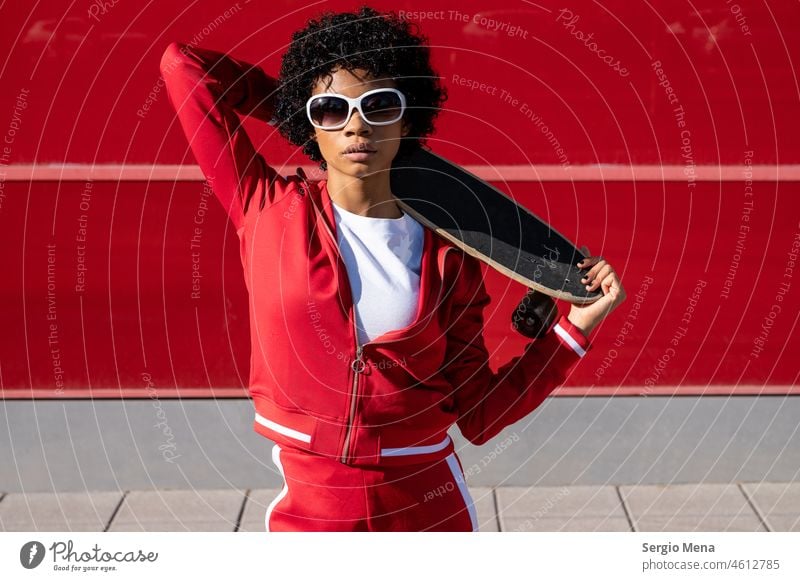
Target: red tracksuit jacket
[{"x": 313, "y": 388}]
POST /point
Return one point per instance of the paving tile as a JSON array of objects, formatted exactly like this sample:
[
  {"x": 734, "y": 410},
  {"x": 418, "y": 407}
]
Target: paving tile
[
  {"x": 63, "y": 511},
  {"x": 568, "y": 508},
  {"x": 179, "y": 508},
  {"x": 778, "y": 502},
  {"x": 256, "y": 509},
  {"x": 775, "y": 497},
  {"x": 700, "y": 523},
  {"x": 689, "y": 499},
  {"x": 488, "y": 524},
  {"x": 559, "y": 501},
  {"x": 483, "y": 498},
  {"x": 784, "y": 524},
  {"x": 576, "y": 524},
  {"x": 694, "y": 507},
  {"x": 215, "y": 526}
]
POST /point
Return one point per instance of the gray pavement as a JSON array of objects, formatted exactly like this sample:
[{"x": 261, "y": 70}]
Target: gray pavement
[
  {"x": 757, "y": 506},
  {"x": 104, "y": 444}
]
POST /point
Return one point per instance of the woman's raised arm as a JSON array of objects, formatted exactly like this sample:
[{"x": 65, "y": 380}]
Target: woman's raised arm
[{"x": 207, "y": 89}]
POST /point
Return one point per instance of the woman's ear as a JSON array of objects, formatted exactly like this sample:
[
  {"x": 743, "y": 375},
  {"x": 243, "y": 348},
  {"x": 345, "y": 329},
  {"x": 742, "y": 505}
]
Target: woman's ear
[{"x": 406, "y": 128}]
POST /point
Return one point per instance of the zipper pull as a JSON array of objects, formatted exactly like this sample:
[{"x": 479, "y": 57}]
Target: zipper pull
[{"x": 358, "y": 363}]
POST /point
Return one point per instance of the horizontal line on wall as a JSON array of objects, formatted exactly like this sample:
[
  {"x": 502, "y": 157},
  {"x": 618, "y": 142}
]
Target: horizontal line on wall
[
  {"x": 678, "y": 390},
  {"x": 496, "y": 173},
  {"x": 602, "y": 391},
  {"x": 122, "y": 393}
]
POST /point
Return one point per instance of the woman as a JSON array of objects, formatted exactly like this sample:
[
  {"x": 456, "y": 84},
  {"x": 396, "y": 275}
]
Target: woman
[{"x": 366, "y": 327}]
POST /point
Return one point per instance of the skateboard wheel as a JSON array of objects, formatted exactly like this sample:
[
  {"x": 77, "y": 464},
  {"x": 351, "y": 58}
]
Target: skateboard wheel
[{"x": 534, "y": 315}]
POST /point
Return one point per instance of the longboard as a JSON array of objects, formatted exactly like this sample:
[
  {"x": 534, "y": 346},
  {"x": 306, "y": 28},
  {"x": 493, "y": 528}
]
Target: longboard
[{"x": 489, "y": 225}]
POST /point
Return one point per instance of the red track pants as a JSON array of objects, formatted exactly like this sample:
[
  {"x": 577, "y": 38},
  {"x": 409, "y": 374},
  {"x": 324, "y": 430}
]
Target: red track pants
[{"x": 321, "y": 494}]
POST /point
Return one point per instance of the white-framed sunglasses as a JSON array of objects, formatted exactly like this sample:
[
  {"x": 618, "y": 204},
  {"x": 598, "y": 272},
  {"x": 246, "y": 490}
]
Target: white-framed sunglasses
[{"x": 377, "y": 107}]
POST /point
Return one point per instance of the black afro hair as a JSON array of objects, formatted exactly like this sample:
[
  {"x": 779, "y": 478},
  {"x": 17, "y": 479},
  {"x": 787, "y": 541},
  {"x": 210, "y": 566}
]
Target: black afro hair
[{"x": 380, "y": 43}]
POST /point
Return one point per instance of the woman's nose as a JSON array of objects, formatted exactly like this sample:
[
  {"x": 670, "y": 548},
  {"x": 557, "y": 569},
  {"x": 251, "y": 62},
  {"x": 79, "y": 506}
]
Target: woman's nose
[{"x": 357, "y": 125}]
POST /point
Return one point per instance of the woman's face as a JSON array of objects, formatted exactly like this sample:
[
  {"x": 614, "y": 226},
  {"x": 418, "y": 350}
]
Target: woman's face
[{"x": 384, "y": 140}]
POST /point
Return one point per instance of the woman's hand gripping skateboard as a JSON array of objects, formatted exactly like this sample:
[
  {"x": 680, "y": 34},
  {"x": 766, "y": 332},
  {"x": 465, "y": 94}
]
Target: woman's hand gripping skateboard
[
  {"x": 600, "y": 275},
  {"x": 537, "y": 312}
]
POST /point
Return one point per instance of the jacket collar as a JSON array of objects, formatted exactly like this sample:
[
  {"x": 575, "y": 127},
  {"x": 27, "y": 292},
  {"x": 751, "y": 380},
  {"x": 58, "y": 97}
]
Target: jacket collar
[
  {"x": 433, "y": 250},
  {"x": 318, "y": 192}
]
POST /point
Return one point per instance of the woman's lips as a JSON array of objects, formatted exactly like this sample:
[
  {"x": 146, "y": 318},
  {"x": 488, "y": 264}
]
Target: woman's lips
[{"x": 359, "y": 155}]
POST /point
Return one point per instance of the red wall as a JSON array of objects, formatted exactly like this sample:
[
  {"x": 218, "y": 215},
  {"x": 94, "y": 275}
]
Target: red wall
[{"x": 76, "y": 89}]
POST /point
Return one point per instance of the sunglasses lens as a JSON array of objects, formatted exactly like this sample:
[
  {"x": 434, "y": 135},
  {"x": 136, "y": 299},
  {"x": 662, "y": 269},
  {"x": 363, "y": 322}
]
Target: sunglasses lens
[
  {"x": 382, "y": 107},
  {"x": 328, "y": 111}
]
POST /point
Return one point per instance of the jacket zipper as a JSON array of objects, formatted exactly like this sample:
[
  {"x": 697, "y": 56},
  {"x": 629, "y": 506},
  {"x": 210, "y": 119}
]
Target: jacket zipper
[{"x": 357, "y": 365}]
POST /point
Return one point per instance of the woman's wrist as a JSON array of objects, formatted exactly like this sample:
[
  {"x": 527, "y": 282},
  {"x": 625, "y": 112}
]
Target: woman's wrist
[
  {"x": 584, "y": 327},
  {"x": 259, "y": 98}
]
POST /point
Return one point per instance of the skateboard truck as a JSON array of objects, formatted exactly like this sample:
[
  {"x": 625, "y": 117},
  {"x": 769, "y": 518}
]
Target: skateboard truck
[{"x": 534, "y": 315}]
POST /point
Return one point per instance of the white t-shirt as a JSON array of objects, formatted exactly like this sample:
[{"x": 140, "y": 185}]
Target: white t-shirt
[{"x": 383, "y": 259}]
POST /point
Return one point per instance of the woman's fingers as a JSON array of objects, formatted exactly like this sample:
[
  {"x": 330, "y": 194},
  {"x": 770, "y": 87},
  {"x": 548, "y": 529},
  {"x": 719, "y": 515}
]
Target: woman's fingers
[
  {"x": 613, "y": 287},
  {"x": 600, "y": 273},
  {"x": 589, "y": 260},
  {"x": 596, "y": 263},
  {"x": 586, "y": 261},
  {"x": 597, "y": 274}
]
